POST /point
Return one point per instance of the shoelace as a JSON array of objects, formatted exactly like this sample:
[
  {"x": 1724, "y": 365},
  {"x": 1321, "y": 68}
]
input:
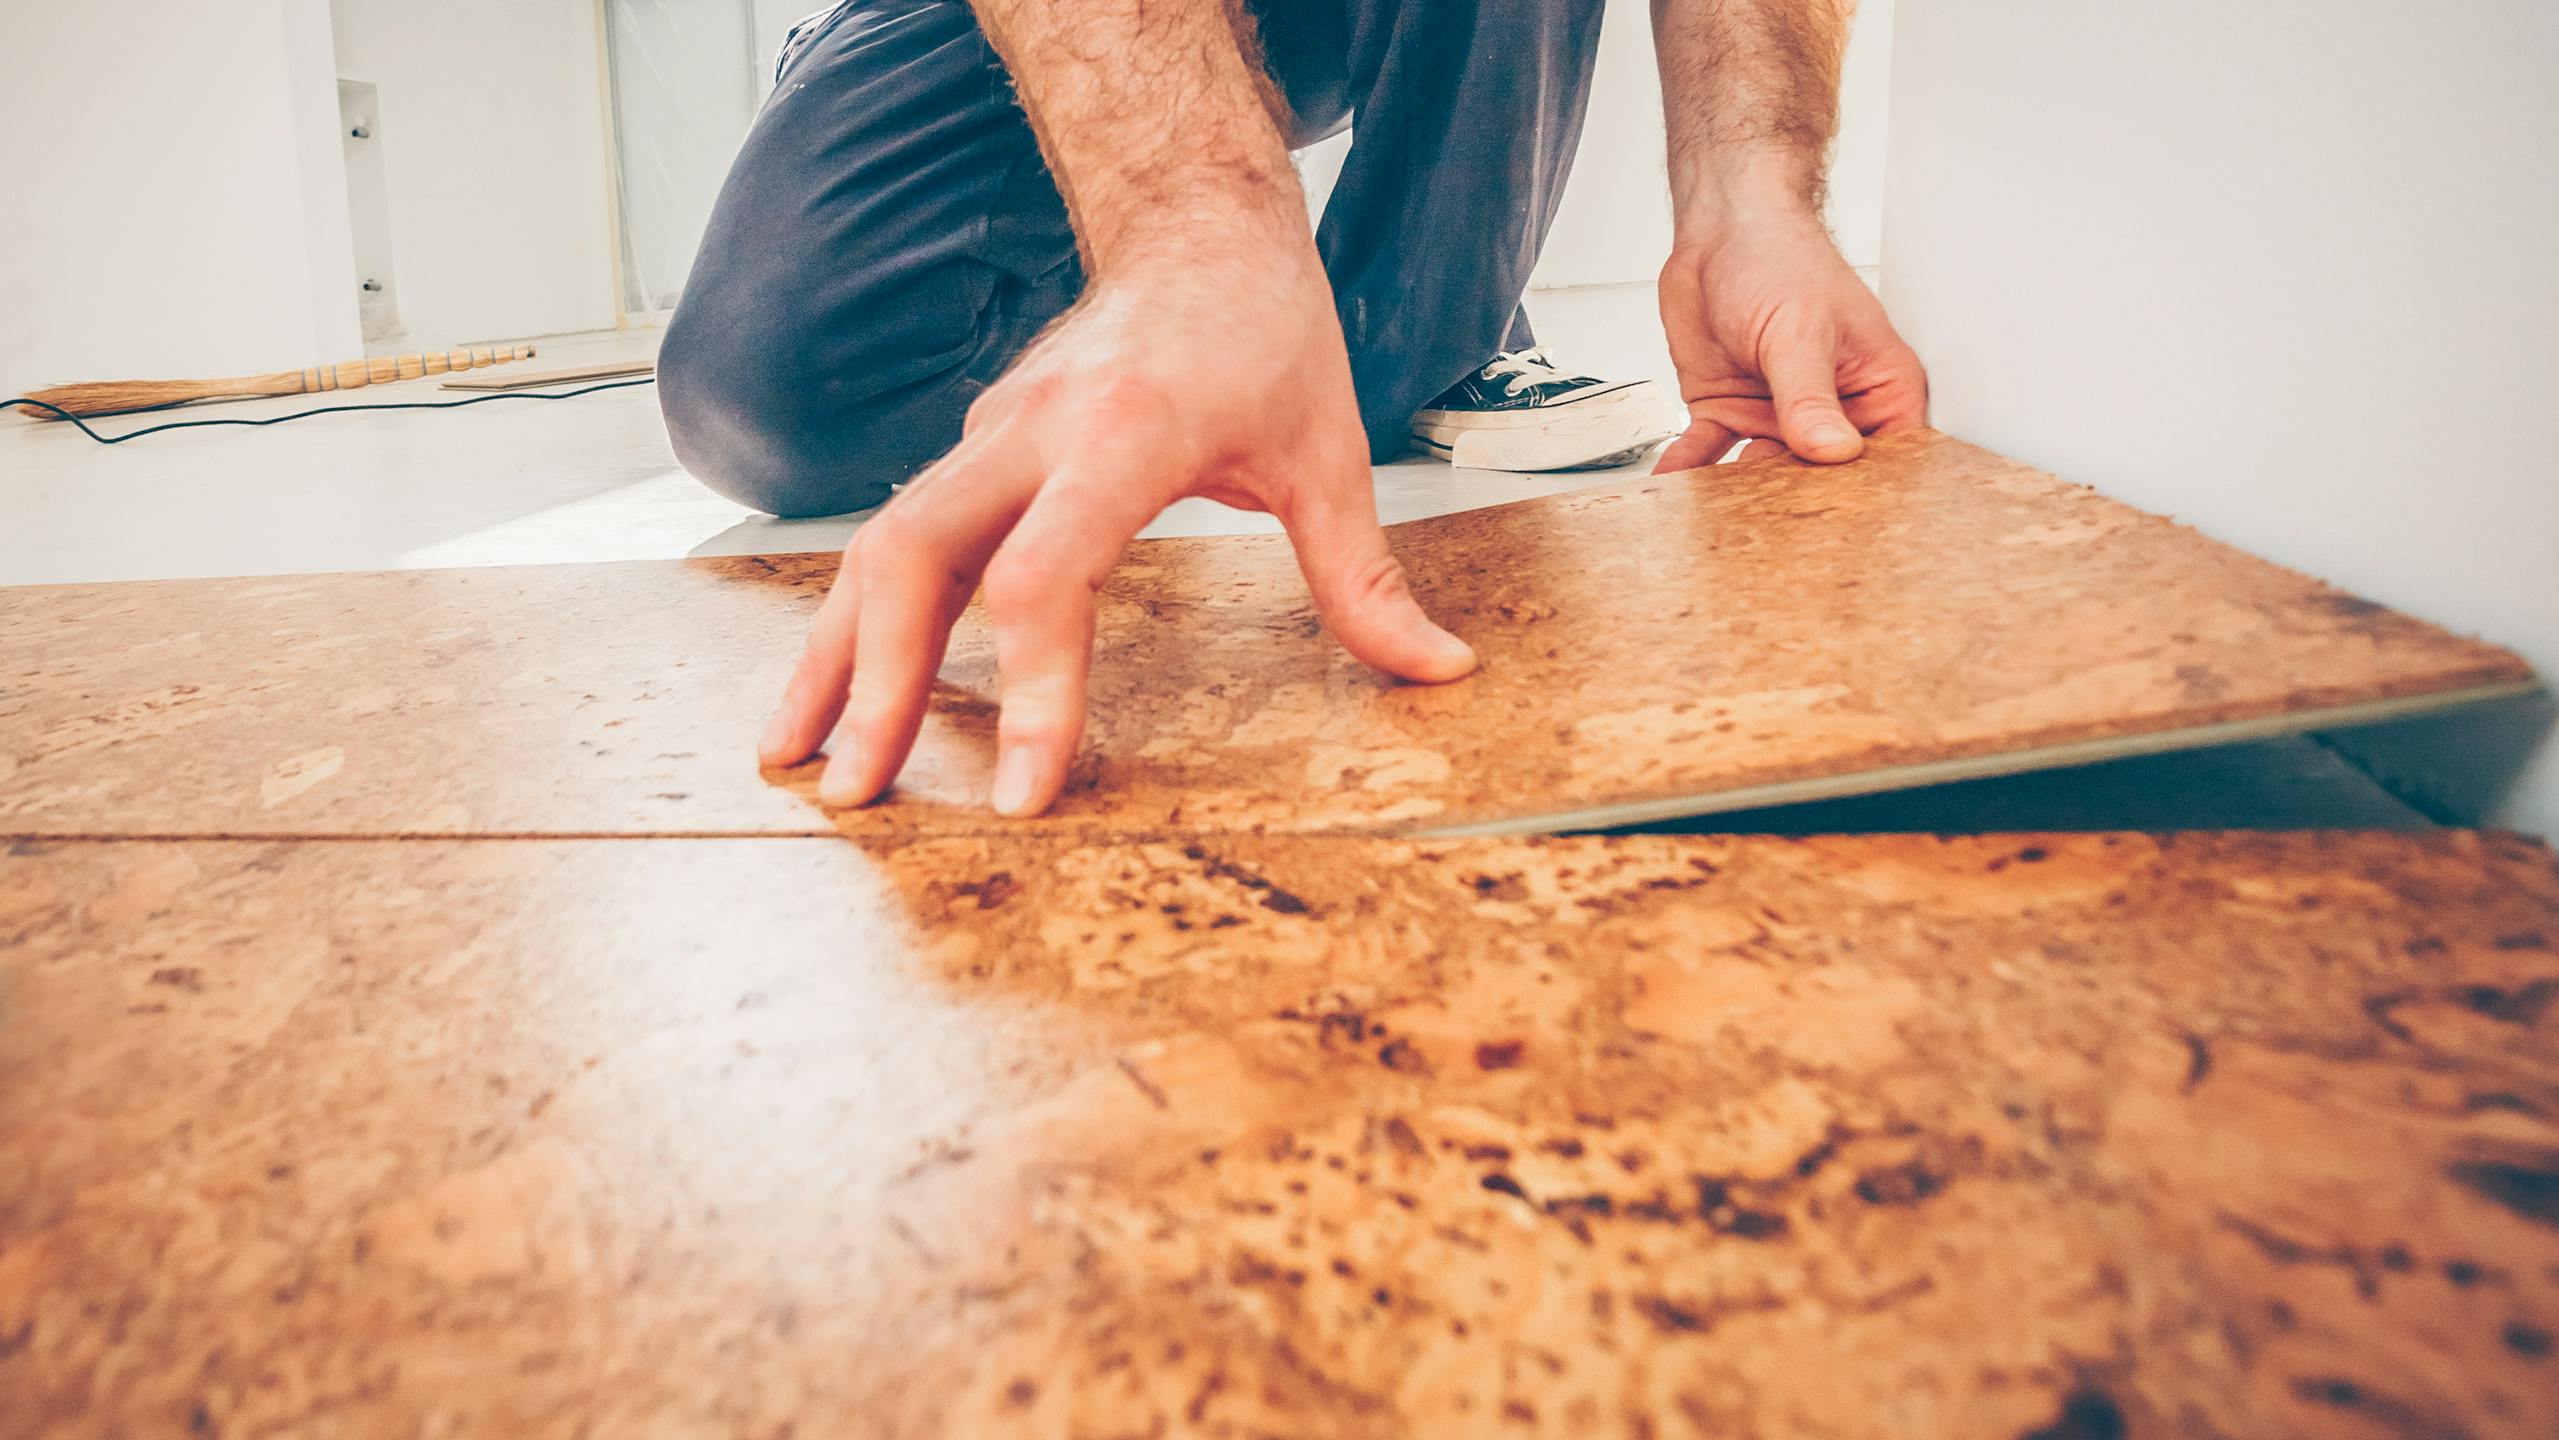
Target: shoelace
[{"x": 1517, "y": 369}]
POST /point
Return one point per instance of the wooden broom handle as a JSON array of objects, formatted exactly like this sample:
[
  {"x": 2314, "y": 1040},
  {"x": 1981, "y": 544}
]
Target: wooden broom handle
[{"x": 381, "y": 370}]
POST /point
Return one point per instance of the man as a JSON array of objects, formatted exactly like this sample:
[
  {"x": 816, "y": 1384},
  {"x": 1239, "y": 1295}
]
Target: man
[{"x": 892, "y": 285}]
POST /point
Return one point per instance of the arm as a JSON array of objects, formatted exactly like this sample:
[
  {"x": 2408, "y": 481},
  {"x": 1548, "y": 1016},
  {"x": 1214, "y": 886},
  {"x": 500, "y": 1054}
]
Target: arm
[
  {"x": 1158, "y": 124},
  {"x": 1204, "y": 359},
  {"x": 1773, "y": 335}
]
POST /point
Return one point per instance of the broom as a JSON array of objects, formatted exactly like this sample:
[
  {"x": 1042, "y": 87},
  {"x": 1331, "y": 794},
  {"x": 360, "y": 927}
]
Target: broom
[{"x": 104, "y": 397}]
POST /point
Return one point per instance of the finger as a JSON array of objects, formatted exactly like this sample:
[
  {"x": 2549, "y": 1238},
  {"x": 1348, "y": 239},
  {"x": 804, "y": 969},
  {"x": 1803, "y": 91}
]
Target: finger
[
  {"x": 1890, "y": 418},
  {"x": 1359, "y": 586},
  {"x": 1040, "y": 590},
  {"x": 920, "y": 561},
  {"x": 1893, "y": 404},
  {"x": 814, "y": 699},
  {"x": 1802, "y": 369},
  {"x": 1702, "y": 443},
  {"x": 1758, "y": 450}
]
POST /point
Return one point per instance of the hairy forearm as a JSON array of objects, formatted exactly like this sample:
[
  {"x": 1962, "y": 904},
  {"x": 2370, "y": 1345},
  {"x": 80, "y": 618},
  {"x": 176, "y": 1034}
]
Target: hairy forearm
[
  {"x": 1157, "y": 121},
  {"x": 1750, "y": 91}
]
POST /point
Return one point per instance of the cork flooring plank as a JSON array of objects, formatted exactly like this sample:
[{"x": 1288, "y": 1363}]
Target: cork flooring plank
[
  {"x": 2061, "y": 1135},
  {"x": 1743, "y": 636},
  {"x": 569, "y": 699}
]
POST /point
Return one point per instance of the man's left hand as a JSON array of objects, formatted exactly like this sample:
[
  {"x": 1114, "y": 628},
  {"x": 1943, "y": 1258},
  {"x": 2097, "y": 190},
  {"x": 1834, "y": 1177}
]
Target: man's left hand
[{"x": 1775, "y": 338}]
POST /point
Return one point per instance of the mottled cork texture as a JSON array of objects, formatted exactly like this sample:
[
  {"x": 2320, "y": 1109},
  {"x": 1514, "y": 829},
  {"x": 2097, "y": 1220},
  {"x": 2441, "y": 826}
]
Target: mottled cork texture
[
  {"x": 2009, "y": 1136},
  {"x": 1655, "y": 644}
]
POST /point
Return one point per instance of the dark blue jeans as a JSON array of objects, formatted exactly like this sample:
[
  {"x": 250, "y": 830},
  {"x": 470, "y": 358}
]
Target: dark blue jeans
[{"x": 889, "y": 238}]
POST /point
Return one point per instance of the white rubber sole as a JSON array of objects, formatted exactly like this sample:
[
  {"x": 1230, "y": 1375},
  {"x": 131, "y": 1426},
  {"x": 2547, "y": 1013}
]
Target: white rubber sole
[{"x": 1605, "y": 429}]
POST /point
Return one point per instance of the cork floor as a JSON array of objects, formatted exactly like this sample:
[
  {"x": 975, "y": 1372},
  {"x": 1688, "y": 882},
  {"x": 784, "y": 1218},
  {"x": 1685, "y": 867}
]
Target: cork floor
[
  {"x": 1653, "y": 647},
  {"x": 418, "y": 1018},
  {"x": 2093, "y": 1135}
]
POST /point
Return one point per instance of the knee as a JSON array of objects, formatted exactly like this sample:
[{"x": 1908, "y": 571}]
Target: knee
[{"x": 752, "y": 423}]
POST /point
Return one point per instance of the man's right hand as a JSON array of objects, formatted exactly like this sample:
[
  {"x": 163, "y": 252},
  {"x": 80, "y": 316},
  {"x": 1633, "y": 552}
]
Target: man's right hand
[
  {"x": 1204, "y": 360},
  {"x": 1206, "y": 374}
]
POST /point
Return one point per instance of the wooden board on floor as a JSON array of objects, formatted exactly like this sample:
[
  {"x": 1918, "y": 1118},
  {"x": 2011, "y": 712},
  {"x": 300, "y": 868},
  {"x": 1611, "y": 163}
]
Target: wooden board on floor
[
  {"x": 532, "y": 380},
  {"x": 2065, "y": 1135},
  {"x": 1676, "y": 645}
]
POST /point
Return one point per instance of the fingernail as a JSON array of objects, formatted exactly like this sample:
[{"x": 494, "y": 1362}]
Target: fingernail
[
  {"x": 776, "y": 735},
  {"x": 836, "y": 786},
  {"x": 1013, "y": 776},
  {"x": 1450, "y": 651},
  {"x": 1831, "y": 432}
]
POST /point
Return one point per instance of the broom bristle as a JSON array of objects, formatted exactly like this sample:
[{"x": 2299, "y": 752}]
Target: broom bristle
[{"x": 98, "y": 397}]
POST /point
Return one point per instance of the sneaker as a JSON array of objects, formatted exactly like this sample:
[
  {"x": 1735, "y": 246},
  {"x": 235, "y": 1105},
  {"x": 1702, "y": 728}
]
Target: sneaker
[{"x": 1522, "y": 413}]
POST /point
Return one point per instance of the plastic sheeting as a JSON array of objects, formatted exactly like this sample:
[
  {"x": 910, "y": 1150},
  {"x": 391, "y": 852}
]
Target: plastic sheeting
[{"x": 687, "y": 78}]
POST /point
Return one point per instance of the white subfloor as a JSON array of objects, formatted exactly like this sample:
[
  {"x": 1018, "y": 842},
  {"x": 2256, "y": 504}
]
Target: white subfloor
[{"x": 533, "y": 482}]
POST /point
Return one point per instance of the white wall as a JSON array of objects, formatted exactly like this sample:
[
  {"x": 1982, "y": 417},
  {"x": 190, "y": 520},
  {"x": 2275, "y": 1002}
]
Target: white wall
[
  {"x": 1865, "y": 124},
  {"x": 2288, "y": 271},
  {"x": 328, "y": 241},
  {"x": 174, "y": 202},
  {"x": 495, "y": 154}
]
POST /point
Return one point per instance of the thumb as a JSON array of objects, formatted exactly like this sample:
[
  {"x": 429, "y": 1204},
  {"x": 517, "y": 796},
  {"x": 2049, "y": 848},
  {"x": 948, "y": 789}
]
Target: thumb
[
  {"x": 1802, "y": 370},
  {"x": 1359, "y": 588}
]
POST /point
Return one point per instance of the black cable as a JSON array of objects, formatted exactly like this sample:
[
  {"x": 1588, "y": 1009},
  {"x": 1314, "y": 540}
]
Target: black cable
[{"x": 302, "y": 414}]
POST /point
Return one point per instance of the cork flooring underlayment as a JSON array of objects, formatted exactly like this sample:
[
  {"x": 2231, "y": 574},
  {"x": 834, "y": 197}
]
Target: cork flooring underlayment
[
  {"x": 2064, "y": 1136},
  {"x": 1681, "y": 645}
]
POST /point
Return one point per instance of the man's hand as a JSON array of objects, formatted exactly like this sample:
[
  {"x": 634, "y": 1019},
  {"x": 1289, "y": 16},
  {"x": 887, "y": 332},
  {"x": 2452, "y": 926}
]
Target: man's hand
[
  {"x": 1774, "y": 337},
  {"x": 1205, "y": 360}
]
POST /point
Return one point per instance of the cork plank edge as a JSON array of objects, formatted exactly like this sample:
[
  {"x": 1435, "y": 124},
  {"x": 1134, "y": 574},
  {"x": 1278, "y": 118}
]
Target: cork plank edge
[
  {"x": 1804, "y": 790},
  {"x": 1985, "y": 766}
]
